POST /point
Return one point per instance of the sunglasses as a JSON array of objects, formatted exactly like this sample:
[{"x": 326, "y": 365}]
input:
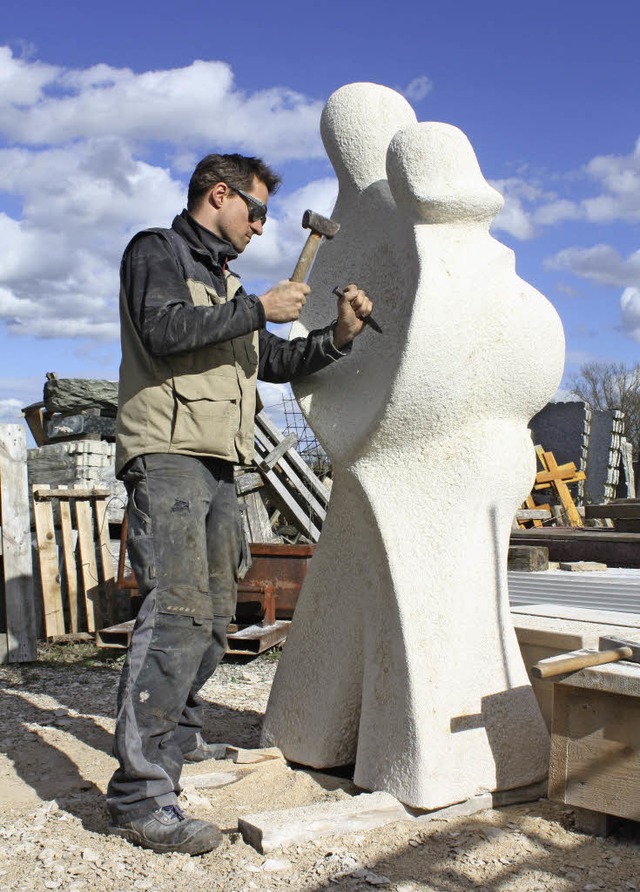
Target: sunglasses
[{"x": 257, "y": 210}]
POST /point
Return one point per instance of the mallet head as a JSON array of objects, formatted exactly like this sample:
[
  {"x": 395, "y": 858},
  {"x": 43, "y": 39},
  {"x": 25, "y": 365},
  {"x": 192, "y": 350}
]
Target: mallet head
[
  {"x": 319, "y": 225},
  {"x": 610, "y": 643}
]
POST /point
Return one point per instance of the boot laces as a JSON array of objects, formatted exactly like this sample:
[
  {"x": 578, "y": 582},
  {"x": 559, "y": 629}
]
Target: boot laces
[{"x": 175, "y": 811}]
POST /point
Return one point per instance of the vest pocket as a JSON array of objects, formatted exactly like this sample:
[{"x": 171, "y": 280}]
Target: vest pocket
[{"x": 207, "y": 414}]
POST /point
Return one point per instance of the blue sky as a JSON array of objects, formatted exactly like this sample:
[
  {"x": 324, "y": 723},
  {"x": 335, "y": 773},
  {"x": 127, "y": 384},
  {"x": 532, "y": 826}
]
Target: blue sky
[{"x": 105, "y": 109}]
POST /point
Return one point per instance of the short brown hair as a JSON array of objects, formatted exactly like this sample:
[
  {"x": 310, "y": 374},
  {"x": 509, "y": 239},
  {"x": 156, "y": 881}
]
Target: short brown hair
[{"x": 236, "y": 170}]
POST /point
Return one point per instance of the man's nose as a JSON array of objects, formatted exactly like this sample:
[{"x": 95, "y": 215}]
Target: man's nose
[{"x": 257, "y": 226}]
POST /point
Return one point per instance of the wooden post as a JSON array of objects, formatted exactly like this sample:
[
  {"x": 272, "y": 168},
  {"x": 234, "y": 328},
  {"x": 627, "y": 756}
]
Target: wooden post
[{"x": 20, "y": 639}]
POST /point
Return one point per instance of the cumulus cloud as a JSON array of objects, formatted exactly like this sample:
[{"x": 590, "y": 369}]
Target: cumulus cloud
[
  {"x": 619, "y": 177},
  {"x": 90, "y": 156},
  {"x": 600, "y": 263},
  {"x": 191, "y": 105},
  {"x": 529, "y": 208},
  {"x": 606, "y": 266}
]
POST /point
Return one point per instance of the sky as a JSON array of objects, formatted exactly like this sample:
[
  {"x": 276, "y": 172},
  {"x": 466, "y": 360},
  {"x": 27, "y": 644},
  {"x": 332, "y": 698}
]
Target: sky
[{"x": 106, "y": 108}]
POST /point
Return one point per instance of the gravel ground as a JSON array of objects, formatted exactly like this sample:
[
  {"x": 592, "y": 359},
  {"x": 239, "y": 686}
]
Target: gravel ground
[{"x": 56, "y": 718}]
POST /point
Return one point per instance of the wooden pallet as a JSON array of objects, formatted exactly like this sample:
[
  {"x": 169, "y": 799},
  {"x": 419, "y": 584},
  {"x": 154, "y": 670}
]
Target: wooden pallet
[
  {"x": 302, "y": 495},
  {"x": 75, "y": 561}
]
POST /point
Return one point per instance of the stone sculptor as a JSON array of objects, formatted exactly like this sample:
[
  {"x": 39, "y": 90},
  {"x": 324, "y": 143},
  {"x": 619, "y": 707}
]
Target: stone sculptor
[
  {"x": 194, "y": 344},
  {"x": 402, "y": 658}
]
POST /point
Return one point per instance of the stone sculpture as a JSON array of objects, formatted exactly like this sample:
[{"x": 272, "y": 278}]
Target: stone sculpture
[{"x": 402, "y": 658}]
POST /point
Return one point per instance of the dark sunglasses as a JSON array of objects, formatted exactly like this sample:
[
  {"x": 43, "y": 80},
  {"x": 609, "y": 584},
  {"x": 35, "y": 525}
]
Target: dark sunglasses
[{"x": 257, "y": 210}]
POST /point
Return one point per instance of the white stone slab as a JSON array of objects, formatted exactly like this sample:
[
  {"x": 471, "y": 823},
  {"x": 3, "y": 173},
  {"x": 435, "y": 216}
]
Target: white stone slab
[{"x": 277, "y": 829}]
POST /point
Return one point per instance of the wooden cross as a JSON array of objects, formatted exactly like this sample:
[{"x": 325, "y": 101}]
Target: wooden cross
[{"x": 556, "y": 477}]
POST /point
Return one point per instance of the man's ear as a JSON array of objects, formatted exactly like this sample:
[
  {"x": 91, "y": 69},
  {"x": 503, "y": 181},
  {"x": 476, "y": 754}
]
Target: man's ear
[{"x": 218, "y": 195}]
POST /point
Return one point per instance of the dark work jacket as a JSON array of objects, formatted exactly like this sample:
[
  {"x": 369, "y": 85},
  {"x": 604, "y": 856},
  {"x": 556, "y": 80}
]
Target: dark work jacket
[{"x": 193, "y": 344}]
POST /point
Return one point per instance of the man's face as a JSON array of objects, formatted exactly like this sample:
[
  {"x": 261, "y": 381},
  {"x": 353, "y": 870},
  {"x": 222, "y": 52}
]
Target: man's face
[{"x": 233, "y": 218}]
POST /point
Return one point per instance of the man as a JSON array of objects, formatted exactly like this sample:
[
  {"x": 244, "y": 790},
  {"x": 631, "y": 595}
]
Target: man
[{"x": 193, "y": 344}]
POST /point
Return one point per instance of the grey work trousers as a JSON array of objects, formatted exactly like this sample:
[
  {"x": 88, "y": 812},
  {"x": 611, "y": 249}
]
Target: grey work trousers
[{"x": 185, "y": 544}]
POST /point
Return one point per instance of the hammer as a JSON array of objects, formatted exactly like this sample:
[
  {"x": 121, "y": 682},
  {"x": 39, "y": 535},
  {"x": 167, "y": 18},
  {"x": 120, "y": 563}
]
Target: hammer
[
  {"x": 611, "y": 650},
  {"x": 319, "y": 226}
]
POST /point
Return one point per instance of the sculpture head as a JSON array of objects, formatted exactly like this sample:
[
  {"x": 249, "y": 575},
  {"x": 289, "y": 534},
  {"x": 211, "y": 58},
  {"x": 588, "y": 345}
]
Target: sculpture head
[
  {"x": 433, "y": 169},
  {"x": 357, "y": 124}
]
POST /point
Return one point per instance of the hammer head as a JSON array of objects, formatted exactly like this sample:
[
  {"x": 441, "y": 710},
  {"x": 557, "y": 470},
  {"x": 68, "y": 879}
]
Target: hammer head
[
  {"x": 607, "y": 643},
  {"x": 319, "y": 224}
]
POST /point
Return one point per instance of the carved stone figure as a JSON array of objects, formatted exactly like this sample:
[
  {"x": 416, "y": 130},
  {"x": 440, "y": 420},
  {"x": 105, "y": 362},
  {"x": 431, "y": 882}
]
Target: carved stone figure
[{"x": 402, "y": 658}]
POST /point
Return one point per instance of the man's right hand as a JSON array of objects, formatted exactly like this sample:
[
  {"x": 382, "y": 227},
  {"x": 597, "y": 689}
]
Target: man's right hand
[{"x": 284, "y": 302}]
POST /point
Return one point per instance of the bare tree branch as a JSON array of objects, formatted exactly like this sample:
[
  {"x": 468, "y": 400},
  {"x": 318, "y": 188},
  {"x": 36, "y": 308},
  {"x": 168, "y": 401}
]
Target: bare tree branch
[{"x": 612, "y": 385}]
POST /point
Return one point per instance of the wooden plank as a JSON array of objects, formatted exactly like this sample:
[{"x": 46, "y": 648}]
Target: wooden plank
[
  {"x": 286, "y": 443},
  {"x": 257, "y": 518},
  {"x": 248, "y": 482},
  {"x": 268, "y": 428},
  {"x": 303, "y": 513},
  {"x": 33, "y": 417},
  {"x": 595, "y": 750},
  {"x": 88, "y": 566},
  {"x": 297, "y": 483},
  {"x": 42, "y": 493},
  {"x": 49, "y": 570},
  {"x": 69, "y": 563},
  {"x": 528, "y": 558},
  {"x": 16, "y": 545},
  {"x": 106, "y": 558},
  {"x": 533, "y": 514}
]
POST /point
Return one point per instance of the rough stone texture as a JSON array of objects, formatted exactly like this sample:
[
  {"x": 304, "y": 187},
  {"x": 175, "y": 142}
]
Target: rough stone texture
[
  {"x": 560, "y": 428},
  {"x": 414, "y": 675},
  {"x": 75, "y": 394},
  {"x": 603, "y": 465}
]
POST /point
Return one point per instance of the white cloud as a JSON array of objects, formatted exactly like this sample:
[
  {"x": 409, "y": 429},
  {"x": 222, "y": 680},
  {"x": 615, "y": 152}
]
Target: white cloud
[
  {"x": 417, "y": 89},
  {"x": 630, "y": 310},
  {"x": 529, "y": 208},
  {"x": 619, "y": 177},
  {"x": 93, "y": 155},
  {"x": 11, "y": 411},
  {"x": 189, "y": 106},
  {"x": 600, "y": 263},
  {"x": 22, "y": 82}
]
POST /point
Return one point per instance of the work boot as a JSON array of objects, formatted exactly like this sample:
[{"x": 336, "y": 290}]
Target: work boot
[
  {"x": 204, "y": 750},
  {"x": 169, "y": 830}
]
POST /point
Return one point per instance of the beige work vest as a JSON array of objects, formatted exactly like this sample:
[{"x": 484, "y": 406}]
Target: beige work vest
[{"x": 202, "y": 403}]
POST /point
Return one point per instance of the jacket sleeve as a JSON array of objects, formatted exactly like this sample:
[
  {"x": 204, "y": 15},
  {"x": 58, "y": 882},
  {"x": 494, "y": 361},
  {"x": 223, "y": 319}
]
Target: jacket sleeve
[
  {"x": 282, "y": 360},
  {"x": 162, "y": 308}
]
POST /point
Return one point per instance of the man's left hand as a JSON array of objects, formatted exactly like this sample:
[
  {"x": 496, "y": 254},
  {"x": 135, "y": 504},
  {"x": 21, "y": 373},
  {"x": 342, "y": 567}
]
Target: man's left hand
[{"x": 353, "y": 308}]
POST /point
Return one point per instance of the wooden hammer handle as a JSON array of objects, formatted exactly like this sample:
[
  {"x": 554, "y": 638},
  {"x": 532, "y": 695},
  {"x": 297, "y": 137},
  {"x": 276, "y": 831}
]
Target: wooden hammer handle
[
  {"x": 306, "y": 257},
  {"x": 579, "y": 660}
]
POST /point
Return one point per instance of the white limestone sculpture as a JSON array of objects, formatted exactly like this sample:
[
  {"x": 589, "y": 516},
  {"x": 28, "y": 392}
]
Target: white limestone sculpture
[{"x": 402, "y": 657}]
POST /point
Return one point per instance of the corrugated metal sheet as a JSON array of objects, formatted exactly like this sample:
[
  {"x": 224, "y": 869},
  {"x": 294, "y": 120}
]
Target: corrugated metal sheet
[{"x": 594, "y": 591}]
